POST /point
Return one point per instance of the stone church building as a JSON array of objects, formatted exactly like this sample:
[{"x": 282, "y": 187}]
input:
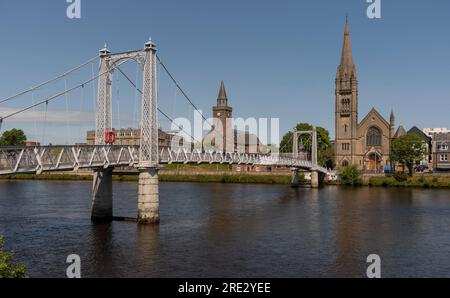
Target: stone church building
[
  {"x": 365, "y": 143},
  {"x": 224, "y": 136}
]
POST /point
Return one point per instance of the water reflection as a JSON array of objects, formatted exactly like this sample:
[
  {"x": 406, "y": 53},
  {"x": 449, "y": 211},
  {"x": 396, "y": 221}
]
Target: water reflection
[
  {"x": 218, "y": 230},
  {"x": 101, "y": 250}
]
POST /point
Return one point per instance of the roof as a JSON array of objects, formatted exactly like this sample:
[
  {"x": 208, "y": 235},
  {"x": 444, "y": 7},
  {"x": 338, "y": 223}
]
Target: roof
[
  {"x": 346, "y": 66},
  {"x": 400, "y": 132},
  {"x": 374, "y": 112},
  {"x": 222, "y": 92},
  {"x": 441, "y": 137},
  {"x": 420, "y": 133},
  {"x": 248, "y": 136}
]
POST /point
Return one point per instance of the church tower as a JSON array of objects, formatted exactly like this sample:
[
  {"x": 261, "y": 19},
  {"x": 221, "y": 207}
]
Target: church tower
[
  {"x": 222, "y": 115},
  {"x": 346, "y": 109}
]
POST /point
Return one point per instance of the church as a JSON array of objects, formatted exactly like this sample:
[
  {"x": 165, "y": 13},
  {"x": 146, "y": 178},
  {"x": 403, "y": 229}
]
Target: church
[
  {"x": 224, "y": 136},
  {"x": 366, "y": 143}
]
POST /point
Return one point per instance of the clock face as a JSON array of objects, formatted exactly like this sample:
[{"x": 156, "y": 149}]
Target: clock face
[{"x": 219, "y": 114}]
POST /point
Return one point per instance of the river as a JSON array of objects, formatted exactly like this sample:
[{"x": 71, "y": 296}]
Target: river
[{"x": 230, "y": 230}]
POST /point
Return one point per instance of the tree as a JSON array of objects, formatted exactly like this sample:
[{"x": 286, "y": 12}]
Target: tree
[
  {"x": 324, "y": 147},
  {"x": 350, "y": 176},
  {"x": 8, "y": 269},
  {"x": 14, "y": 137},
  {"x": 408, "y": 150}
]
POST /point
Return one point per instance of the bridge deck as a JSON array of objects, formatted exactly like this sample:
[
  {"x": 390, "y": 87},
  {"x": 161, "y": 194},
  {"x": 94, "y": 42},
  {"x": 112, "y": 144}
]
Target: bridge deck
[{"x": 30, "y": 160}]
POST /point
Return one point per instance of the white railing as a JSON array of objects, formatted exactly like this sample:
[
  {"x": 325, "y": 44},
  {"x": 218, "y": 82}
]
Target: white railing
[{"x": 16, "y": 160}]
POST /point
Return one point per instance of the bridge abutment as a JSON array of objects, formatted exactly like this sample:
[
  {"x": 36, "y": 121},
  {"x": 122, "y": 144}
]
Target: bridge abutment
[
  {"x": 102, "y": 196},
  {"x": 148, "y": 197}
]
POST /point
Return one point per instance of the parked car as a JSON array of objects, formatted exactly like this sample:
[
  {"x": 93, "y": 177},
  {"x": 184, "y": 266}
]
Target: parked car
[{"x": 421, "y": 169}]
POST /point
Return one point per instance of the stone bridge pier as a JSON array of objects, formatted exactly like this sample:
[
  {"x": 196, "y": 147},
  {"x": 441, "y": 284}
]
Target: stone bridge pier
[
  {"x": 102, "y": 195},
  {"x": 148, "y": 197},
  {"x": 317, "y": 178},
  {"x": 295, "y": 181}
]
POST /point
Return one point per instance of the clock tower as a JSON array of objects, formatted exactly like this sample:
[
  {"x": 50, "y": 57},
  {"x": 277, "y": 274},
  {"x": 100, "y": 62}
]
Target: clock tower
[{"x": 222, "y": 115}]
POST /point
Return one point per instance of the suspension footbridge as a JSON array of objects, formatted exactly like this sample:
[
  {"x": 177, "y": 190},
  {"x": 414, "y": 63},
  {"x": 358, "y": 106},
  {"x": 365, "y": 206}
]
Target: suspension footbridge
[{"x": 147, "y": 157}]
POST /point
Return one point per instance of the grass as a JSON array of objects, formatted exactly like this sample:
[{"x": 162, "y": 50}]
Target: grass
[
  {"x": 201, "y": 167},
  {"x": 422, "y": 181},
  {"x": 417, "y": 181},
  {"x": 252, "y": 179},
  {"x": 248, "y": 178}
]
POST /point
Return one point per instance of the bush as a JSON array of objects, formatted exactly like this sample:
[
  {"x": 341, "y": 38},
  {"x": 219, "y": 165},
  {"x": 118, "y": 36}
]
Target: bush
[
  {"x": 422, "y": 179},
  {"x": 302, "y": 179},
  {"x": 401, "y": 176},
  {"x": 8, "y": 269},
  {"x": 350, "y": 176}
]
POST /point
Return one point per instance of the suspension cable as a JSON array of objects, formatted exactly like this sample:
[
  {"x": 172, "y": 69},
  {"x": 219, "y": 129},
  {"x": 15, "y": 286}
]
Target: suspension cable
[
  {"x": 135, "y": 99},
  {"x": 162, "y": 113},
  {"x": 35, "y": 122},
  {"x": 68, "y": 137},
  {"x": 45, "y": 123},
  {"x": 63, "y": 93},
  {"x": 94, "y": 93},
  {"x": 81, "y": 109},
  {"x": 47, "y": 82},
  {"x": 181, "y": 90}
]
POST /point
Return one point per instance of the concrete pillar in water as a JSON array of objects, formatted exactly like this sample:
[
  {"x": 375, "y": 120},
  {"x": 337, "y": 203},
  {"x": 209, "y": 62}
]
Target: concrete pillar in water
[
  {"x": 102, "y": 195},
  {"x": 295, "y": 179},
  {"x": 315, "y": 179},
  {"x": 148, "y": 197}
]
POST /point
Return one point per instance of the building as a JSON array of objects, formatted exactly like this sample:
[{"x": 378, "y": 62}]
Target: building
[
  {"x": 223, "y": 135},
  {"x": 132, "y": 136},
  {"x": 431, "y": 131},
  {"x": 366, "y": 144},
  {"x": 427, "y": 141},
  {"x": 441, "y": 151},
  {"x": 32, "y": 144}
]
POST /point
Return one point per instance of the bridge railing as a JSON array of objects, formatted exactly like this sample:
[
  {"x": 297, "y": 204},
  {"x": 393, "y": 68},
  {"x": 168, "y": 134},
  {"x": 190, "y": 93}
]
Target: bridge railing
[
  {"x": 67, "y": 158},
  {"x": 62, "y": 158}
]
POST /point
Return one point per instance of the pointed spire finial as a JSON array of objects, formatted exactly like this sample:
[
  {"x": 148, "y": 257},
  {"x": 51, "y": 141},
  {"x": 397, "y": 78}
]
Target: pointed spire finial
[
  {"x": 346, "y": 66},
  {"x": 222, "y": 99},
  {"x": 392, "y": 118}
]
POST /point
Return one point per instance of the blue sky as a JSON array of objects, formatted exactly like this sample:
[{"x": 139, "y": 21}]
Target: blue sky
[{"x": 277, "y": 58}]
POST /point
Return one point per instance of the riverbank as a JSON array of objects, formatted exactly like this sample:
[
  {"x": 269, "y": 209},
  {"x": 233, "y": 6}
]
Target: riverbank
[
  {"x": 422, "y": 181},
  {"x": 432, "y": 181},
  {"x": 199, "y": 178}
]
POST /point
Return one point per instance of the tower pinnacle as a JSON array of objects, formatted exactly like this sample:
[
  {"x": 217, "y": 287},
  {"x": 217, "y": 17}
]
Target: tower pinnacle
[
  {"x": 222, "y": 99},
  {"x": 346, "y": 67}
]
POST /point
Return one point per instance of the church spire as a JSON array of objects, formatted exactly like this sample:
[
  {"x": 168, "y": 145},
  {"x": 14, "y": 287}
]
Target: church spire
[
  {"x": 346, "y": 67},
  {"x": 222, "y": 99}
]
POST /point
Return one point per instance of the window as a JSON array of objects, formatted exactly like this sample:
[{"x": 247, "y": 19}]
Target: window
[
  {"x": 345, "y": 146},
  {"x": 373, "y": 137},
  {"x": 345, "y": 163},
  {"x": 442, "y": 147},
  {"x": 345, "y": 103},
  {"x": 345, "y": 127},
  {"x": 444, "y": 157}
]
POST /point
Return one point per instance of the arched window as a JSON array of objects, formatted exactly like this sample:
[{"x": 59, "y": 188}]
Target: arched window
[
  {"x": 345, "y": 163},
  {"x": 373, "y": 137}
]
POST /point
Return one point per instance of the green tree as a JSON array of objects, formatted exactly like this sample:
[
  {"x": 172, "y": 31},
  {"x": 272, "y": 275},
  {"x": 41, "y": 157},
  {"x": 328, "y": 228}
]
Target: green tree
[
  {"x": 13, "y": 137},
  {"x": 408, "y": 150},
  {"x": 350, "y": 176},
  {"x": 324, "y": 147},
  {"x": 8, "y": 269}
]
